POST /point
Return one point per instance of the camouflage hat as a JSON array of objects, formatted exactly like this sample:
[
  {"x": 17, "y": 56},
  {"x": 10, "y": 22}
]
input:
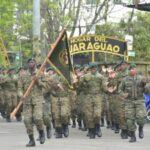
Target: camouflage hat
[
  {"x": 31, "y": 59},
  {"x": 132, "y": 66}
]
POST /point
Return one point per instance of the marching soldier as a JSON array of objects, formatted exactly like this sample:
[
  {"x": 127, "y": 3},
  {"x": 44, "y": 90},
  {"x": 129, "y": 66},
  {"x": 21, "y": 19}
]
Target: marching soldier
[
  {"x": 61, "y": 110},
  {"x": 132, "y": 88},
  {"x": 33, "y": 105},
  {"x": 93, "y": 84},
  {"x": 10, "y": 83}
]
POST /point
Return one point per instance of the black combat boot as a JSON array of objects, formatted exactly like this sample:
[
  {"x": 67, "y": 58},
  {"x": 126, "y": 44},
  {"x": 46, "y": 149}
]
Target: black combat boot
[
  {"x": 31, "y": 141},
  {"x": 102, "y": 122},
  {"x": 92, "y": 133},
  {"x": 133, "y": 138},
  {"x": 124, "y": 134},
  {"x": 80, "y": 124},
  {"x": 41, "y": 136},
  {"x": 58, "y": 133},
  {"x": 116, "y": 129},
  {"x": 98, "y": 131},
  {"x": 65, "y": 130},
  {"x": 74, "y": 124},
  {"x": 49, "y": 133},
  {"x": 141, "y": 133},
  {"x": 108, "y": 124}
]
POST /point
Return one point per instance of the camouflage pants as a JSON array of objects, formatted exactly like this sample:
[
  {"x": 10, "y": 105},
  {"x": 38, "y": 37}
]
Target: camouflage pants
[
  {"x": 33, "y": 114},
  {"x": 135, "y": 113},
  {"x": 123, "y": 121},
  {"x": 10, "y": 101},
  {"x": 114, "y": 108},
  {"x": 92, "y": 110},
  {"x": 47, "y": 117},
  {"x": 79, "y": 106},
  {"x": 73, "y": 105},
  {"x": 61, "y": 111},
  {"x": 105, "y": 108}
]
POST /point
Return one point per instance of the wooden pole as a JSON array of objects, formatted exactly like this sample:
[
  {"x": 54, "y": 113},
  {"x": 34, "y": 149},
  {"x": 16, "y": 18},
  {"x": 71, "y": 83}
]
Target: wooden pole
[{"x": 27, "y": 92}]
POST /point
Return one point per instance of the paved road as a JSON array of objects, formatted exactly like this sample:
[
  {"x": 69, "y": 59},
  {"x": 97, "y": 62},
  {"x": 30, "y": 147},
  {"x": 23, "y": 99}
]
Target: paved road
[{"x": 13, "y": 137}]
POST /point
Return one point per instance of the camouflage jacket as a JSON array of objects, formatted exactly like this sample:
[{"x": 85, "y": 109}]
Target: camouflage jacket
[
  {"x": 93, "y": 83},
  {"x": 133, "y": 86},
  {"x": 36, "y": 94}
]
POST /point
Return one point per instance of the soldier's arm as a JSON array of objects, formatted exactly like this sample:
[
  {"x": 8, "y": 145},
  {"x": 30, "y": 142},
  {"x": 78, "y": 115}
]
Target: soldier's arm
[{"x": 20, "y": 87}]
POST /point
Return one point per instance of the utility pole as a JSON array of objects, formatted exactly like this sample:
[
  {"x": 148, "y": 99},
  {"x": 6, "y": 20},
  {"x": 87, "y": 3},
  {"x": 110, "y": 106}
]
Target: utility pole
[{"x": 36, "y": 31}]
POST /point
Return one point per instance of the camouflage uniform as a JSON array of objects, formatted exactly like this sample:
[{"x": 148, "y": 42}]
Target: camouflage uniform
[
  {"x": 114, "y": 104},
  {"x": 47, "y": 117},
  {"x": 32, "y": 106},
  {"x": 61, "y": 110},
  {"x": 134, "y": 106},
  {"x": 92, "y": 85},
  {"x": 122, "y": 102},
  {"x": 10, "y": 83},
  {"x": 73, "y": 98}
]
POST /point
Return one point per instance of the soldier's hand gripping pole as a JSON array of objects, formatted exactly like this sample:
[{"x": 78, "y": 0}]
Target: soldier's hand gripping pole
[{"x": 12, "y": 115}]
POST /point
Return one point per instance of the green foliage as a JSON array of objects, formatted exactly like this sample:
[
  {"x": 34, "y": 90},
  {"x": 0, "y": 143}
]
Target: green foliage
[
  {"x": 141, "y": 34},
  {"x": 16, "y": 25},
  {"x": 109, "y": 29}
]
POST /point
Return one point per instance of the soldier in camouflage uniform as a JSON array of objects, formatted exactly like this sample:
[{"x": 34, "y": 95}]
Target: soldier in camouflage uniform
[
  {"x": 132, "y": 88},
  {"x": 105, "y": 103},
  {"x": 33, "y": 105},
  {"x": 122, "y": 71},
  {"x": 113, "y": 99},
  {"x": 10, "y": 83},
  {"x": 61, "y": 110},
  {"x": 79, "y": 96},
  {"x": 93, "y": 84},
  {"x": 47, "y": 116}
]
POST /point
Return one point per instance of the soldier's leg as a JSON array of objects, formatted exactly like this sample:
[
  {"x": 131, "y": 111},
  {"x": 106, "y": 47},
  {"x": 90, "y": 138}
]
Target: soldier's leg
[
  {"x": 73, "y": 109},
  {"x": 123, "y": 122},
  {"x": 108, "y": 114},
  {"x": 47, "y": 118},
  {"x": 130, "y": 115},
  {"x": 38, "y": 119},
  {"x": 28, "y": 121},
  {"x": 65, "y": 115},
  {"x": 8, "y": 102},
  {"x": 14, "y": 101},
  {"x": 56, "y": 116},
  {"x": 116, "y": 113},
  {"x": 88, "y": 113},
  {"x": 140, "y": 116},
  {"x": 97, "y": 114},
  {"x": 79, "y": 109},
  {"x": 111, "y": 110}
]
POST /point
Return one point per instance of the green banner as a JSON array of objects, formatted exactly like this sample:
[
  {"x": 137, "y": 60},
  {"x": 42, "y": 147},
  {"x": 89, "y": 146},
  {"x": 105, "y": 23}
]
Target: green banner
[{"x": 60, "y": 58}]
